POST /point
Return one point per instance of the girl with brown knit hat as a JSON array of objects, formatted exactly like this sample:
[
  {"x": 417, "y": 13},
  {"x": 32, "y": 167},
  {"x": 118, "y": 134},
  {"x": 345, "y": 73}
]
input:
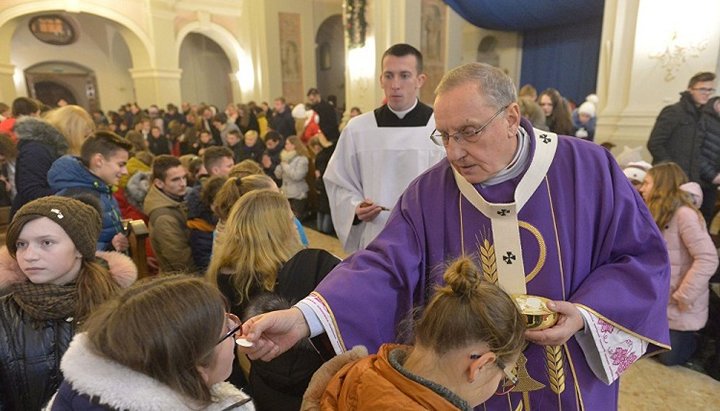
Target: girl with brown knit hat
[
  {"x": 54, "y": 279},
  {"x": 467, "y": 342}
]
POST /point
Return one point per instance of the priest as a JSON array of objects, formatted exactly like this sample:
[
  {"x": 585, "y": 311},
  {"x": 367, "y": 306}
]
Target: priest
[{"x": 544, "y": 215}]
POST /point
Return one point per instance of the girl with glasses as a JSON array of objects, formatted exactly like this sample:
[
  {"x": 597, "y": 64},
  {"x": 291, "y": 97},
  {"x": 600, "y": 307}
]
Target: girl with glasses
[
  {"x": 164, "y": 344},
  {"x": 467, "y": 341}
]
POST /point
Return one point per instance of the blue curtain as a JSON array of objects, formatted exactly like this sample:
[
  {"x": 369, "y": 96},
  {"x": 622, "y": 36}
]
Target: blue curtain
[{"x": 561, "y": 39}]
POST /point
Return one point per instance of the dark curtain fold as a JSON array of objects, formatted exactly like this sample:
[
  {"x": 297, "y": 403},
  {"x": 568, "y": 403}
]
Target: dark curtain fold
[{"x": 561, "y": 39}]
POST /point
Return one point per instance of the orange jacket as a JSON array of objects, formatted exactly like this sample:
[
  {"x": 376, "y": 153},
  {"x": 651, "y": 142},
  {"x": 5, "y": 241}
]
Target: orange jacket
[{"x": 372, "y": 383}]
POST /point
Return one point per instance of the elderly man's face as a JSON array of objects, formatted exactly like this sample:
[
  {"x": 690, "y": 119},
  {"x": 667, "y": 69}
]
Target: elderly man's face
[{"x": 462, "y": 108}]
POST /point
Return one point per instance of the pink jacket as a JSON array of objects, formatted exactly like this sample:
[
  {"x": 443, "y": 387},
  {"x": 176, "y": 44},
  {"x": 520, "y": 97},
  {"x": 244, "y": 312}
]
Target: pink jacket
[
  {"x": 693, "y": 260},
  {"x": 122, "y": 268}
]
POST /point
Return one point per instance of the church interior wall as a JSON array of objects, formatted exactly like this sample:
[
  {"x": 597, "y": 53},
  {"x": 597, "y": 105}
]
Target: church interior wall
[
  {"x": 205, "y": 68},
  {"x": 99, "y": 46},
  {"x": 649, "y": 51},
  {"x": 505, "y": 54}
]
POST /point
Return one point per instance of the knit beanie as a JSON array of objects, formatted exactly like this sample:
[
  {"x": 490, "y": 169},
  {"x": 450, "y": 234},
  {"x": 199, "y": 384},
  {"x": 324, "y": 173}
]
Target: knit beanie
[
  {"x": 80, "y": 220},
  {"x": 587, "y": 108}
]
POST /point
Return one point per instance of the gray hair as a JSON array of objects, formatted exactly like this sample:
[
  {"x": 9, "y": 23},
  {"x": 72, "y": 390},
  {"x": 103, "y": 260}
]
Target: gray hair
[{"x": 492, "y": 83}]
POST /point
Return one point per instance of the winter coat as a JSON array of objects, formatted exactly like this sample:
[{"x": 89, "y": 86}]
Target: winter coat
[
  {"x": 95, "y": 382},
  {"x": 377, "y": 382},
  {"x": 293, "y": 174},
  {"x": 133, "y": 166},
  {"x": 676, "y": 136},
  {"x": 39, "y": 145},
  {"x": 30, "y": 351},
  {"x": 68, "y": 176},
  {"x": 274, "y": 155},
  {"x": 131, "y": 199},
  {"x": 328, "y": 120},
  {"x": 589, "y": 126},
  {"x": 201, "y": 223},
  {"x": 709, "y": 162},
  {"x": 253, "y": 153},
  {"x": 159, "y": 145},
  {"x": 693, "y": 260},
  {"x": 279, "y": 384},
  {"x": 168, "y": 232},
  {"x": 321, "y": 161},
  {"x": 283, "y": 123}
]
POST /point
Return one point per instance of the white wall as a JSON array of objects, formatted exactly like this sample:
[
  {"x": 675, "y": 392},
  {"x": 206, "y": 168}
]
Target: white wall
[
  {"x": 99, "y": 47},
  {"x": 508, "y": 49},
  {"x": 205, "y": 72}
]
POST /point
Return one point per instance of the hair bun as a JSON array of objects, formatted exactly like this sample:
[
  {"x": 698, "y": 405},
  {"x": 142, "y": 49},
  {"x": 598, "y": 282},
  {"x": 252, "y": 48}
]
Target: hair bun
[{"x": 462, "y": 277}]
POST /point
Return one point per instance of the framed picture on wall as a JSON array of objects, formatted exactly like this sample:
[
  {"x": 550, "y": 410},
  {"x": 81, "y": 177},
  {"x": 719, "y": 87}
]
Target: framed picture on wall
[{"x": 52, "y": 29}]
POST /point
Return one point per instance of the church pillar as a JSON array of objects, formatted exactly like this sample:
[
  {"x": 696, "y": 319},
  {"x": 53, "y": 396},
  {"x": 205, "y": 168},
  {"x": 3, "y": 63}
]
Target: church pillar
[
  {"x": 156, "y": 86},
  {"x": 160, "y": 83},
  {"x": 649, "y": 50},
  {"x": 7, "y": 83}
]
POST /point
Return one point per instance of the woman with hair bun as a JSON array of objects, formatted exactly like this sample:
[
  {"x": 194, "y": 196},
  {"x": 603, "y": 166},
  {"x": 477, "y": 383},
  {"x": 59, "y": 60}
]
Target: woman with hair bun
[{"x": 466, "y": 344}]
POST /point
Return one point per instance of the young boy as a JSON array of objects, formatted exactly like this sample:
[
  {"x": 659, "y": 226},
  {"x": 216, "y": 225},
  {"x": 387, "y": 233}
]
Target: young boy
[
  {"x": 233, "y": 142},
  {"x": 103, "y": 159},
  {"x": 252, "y": 148},
  {"x": 271, "y": 157}
]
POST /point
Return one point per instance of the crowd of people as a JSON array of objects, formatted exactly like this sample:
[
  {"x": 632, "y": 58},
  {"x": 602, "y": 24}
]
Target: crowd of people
[{"x": 450, "y": 212}]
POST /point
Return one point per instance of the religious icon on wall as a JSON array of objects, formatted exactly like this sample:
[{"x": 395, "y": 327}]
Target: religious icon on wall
[{"x": 52, "y": 29}]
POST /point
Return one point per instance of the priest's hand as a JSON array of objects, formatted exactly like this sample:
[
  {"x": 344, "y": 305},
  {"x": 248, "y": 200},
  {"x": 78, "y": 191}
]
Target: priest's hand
[
  {"x": 271, "y": 334},
  {"x": 367, "y": 210},
  {"x": 570, "y": 321}
]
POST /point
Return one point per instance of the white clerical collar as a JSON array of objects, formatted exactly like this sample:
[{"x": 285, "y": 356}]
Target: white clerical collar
[
  {"x": 517, "y": 164},
  {"x": 401, "y": 114}
]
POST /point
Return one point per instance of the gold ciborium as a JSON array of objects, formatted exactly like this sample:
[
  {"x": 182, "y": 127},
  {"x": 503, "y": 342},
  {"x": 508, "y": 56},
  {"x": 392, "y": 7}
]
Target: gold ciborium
[{"x": 536, "y": 312}]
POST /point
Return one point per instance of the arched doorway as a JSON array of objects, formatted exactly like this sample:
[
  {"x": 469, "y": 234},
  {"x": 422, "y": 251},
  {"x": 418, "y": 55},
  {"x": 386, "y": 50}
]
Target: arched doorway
[
  {"x": 205, "y": 71},
  {"x": 50, "y": 92},
  {"x": 330, "y": 57},
  {"x": 51, "y": 81}
]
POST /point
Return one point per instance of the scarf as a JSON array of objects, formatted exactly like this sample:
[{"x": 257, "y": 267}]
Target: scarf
[
  {"x": 287, "y": 156},
  {"x": 45, "y": 302}
]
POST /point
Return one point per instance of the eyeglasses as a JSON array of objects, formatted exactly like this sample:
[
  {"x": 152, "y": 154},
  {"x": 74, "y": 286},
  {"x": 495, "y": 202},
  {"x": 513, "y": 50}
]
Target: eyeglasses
[
  {"x": 509, "y": 380},
  {"x": 466, "y": 136},
  {"x": 705, "y": 90},
  {"x": 233, "y": 324}
]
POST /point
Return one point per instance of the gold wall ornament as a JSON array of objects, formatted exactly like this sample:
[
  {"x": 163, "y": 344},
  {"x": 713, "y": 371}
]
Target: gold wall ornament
[
  {"x": 489, "y": 263},
  {"x": 556, "y": 372},
  {"x": 676, "y": 54}
]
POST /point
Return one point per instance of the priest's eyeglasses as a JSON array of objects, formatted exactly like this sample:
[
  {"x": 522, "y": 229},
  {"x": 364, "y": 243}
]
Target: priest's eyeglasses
[
  {"x": 467, "y": 135},
  {"x": 508, "y": 382},
  {"x": 233, "y": 325}
]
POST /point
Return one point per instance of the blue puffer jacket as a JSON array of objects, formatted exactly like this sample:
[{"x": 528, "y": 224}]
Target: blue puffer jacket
[{"x": 68, "y": 176}]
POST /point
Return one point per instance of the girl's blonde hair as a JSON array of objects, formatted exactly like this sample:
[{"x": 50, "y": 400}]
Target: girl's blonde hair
[
  {"x": 260, "y": 236},
  {"x": 666, "y": 195},
  {"x": 164, "y": 328},
  {"x": 74, "y": 123},
  {"x": 234, "y": 188},
  {"x": 467, "y": 310},
  {"x": 299, "y": 146}
]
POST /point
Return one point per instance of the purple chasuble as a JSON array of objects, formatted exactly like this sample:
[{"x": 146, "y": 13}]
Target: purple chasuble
[{"x": 587, "y": 237}]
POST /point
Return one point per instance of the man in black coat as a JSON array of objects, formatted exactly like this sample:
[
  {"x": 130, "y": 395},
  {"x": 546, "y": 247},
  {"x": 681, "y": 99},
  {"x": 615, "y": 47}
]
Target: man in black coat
[
  {"x": 328, "y": 116},
  {"x": 677, "y": 135}
]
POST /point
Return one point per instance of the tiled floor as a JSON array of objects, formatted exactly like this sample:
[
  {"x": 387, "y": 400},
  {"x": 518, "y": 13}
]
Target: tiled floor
[{"x": 647, "y": 385}]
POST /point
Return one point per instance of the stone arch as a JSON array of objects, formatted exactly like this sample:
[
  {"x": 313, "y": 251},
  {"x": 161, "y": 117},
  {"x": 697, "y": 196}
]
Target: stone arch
[
  {"x": 216, "y": 33},
  {"x": 139, "y": 43},
  {"x": 330, "y": 58}
]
